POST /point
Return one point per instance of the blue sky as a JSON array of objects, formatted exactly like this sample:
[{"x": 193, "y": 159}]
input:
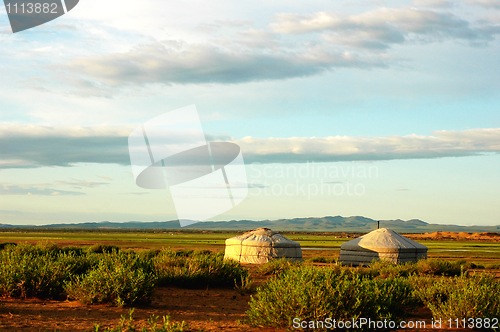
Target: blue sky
[{"x": 409, "y": 88}]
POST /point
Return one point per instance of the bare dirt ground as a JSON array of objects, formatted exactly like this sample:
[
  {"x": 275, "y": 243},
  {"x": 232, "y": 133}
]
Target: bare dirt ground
[
  {"x": 202, "y": 310},
  {"x": 219, "y": 309},
  {"x": 208, "y": 310}
]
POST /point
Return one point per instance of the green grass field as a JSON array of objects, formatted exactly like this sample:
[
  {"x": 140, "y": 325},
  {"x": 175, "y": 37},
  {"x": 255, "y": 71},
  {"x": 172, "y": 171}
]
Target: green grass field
[{"x": 313, "y": 244}]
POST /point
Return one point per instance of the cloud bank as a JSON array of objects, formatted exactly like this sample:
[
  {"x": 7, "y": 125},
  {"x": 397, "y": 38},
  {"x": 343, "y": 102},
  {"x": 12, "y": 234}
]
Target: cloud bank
[
  {"x": 292, "y": 45},
  {"x": 34, "y": 190},
  {"x": 345, "y": 148},
  {"x": 381, "y": 28},
  {"x": 182, "y": 63},
  {"x": 32, "y": 146}
]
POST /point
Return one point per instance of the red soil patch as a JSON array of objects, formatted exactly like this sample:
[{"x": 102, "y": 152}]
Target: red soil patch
[
  {"x": 208, "y": 309},
  {"x": 462, "y": 236}
]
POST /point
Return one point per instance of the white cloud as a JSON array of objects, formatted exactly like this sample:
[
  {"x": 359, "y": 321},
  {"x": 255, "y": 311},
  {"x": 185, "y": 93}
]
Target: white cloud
[
  {"x": 65, "y": 148},
  {"x": 25, "y": 146},
  {"x": 343, "y": 148},
  {"x": 382, "y": 27},
  {"x": 78, "y": 184},
  {"x": 177, "y": 62},
  {"x": 432, "y": 3},
  {"x": 34, "y": 190},
  {"x": 219, "y": 25},
  {"x": 485, "y": 3},
  {"x": 26, "y": 131}
]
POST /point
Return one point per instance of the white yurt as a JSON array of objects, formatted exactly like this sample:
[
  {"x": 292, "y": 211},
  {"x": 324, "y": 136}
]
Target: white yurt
[
  {"x": 379, "y": 244},
  {"x": 260, "y": 246}
]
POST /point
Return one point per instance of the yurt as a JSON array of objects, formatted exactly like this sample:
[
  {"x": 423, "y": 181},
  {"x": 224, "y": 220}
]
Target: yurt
[
  {"x": 260, "y": 246},
  {"x": 382, "y": 243}
]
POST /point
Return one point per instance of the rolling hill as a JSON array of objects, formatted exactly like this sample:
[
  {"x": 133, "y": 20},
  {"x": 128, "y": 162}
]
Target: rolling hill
[{"x": 324, "y": 224}]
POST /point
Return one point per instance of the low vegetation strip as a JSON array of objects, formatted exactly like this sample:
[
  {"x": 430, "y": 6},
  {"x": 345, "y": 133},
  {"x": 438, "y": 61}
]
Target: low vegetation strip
[
  {"x": 127, "y": 324},
  {"x": 29, "y": 271},
  {"x": 314, "y": 293},
  {"x": 381, "y": 291},
  {"x": 104, "y": 274},
  {"x": 462, "y": 297},
  {"x": 196, "y": 269},
  {"x": 118, "y": 278}
]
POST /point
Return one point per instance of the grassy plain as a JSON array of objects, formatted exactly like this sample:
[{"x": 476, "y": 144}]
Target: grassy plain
[
  {"x": 314, "y": 244},
  {"x": 207, "y": 309}
]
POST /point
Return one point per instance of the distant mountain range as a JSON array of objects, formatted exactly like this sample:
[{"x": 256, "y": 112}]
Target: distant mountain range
[{"x": 326, "y": 224}]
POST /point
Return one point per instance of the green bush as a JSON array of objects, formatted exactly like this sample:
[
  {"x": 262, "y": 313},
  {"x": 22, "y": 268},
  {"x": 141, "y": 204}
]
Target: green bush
[
  {"x": 463, "y": 297},
  {"x": 322, "y": 259},
  {"x": 149, "y": 254},
  {"x": 183, "y": 253},
  {"x": 492, "y": 266},
  {"x": 313, "y": 293},
  {"x": 77, "y": 251},
  {"x": 277, "y": 266},
  {"x": 441, "y": 267},
  {"x": 103, "y": 274},
  {"x": 245, "y": 285},
  {"x": 196, "y": 271},
  {"x": 203, "y": 252},
  {"x": 385, "y": 268},
  {"x": 127, "y": 325},
  {"x": 28, "y": 271},
  {"x": 118, "y": 278},
  {"x": 4, "y": 244},
  {"x": 103, "y": 248}
]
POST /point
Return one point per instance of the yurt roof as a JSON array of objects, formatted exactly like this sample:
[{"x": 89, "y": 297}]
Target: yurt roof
[
  {"x": 262, "y": 237},
  {"x": 383, "y": 240}
]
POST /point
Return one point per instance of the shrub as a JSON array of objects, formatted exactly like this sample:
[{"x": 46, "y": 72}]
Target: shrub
[
  {"x": 126, "y": 325},
  {"x": 27, "y": 271},
  {"x": 385, "y": 268},
  {"x": 245, "y": 285},
  {"x": 103, "y": 248},
  {"x": 463, "y": 297},
  {"x": 77, "y": 251},
  {"x": 4, "y": 244},
  {"x": 149, "y": 254},
  {"x": 322, "y": 260},
  {"x": 492, "y": 266},
  {"x": 441, "y": 267},
  {"x": 277, "y": 266},
  {"x": 203, "y": 252},
  {"x": 183, "y": 253},
  {"x": 312, "y": 293},
  {"x": 118, "y": 278},
  {"x": 196, "y": 271}
]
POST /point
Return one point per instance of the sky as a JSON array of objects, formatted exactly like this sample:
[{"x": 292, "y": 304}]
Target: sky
[{"x": 385, "y": 109}]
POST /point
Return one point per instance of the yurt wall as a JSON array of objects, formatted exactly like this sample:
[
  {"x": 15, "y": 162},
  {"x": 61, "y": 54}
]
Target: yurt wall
[{"x": 260, "y": 246}]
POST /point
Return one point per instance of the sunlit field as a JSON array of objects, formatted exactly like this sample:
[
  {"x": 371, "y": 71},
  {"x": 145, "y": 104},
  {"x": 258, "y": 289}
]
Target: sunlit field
[
  {"x": 87, "y": 280},
  {"x": 313, "y": 245}
]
